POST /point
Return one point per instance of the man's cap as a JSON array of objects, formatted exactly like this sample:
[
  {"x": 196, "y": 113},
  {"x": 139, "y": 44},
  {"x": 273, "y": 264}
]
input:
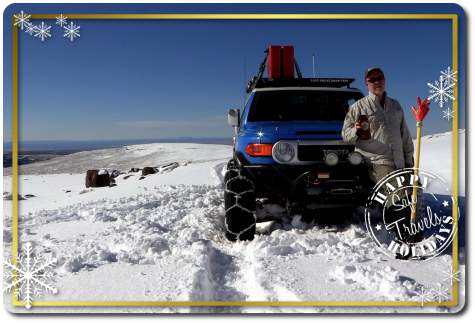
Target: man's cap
[{"x": 372, "y": 70}]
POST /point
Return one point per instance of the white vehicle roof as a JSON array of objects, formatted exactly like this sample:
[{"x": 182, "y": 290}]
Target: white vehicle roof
[{"x": 306, "y": 88}]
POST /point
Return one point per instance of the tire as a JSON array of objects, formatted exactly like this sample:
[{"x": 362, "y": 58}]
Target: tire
[
  {"x": 240, "y": 206},
  {"x": 337, "y": 216},
  {"x": 231, "y": 164},
  {"x": 346, "y": 215},
  {"x": 231, "y": 172}
]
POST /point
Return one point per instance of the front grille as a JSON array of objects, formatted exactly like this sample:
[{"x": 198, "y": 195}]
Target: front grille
[{"x": 317, "y": 152}]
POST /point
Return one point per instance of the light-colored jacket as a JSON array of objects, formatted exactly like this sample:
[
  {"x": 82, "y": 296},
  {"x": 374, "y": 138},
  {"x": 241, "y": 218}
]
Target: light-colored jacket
[{"x": 390, "y": 142}]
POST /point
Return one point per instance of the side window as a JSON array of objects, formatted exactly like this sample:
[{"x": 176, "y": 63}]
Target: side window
[{"x": 247, "y": 106}]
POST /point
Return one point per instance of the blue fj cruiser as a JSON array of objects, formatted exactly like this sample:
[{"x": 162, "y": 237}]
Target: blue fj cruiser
[{"x": 288, "y": 151}]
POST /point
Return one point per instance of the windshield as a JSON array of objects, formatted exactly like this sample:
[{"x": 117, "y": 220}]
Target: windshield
[{"x": 290, "y": 105}]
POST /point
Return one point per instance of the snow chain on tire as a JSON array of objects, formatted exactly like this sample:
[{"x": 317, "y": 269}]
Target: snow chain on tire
[{"x": 239, "y": 203}]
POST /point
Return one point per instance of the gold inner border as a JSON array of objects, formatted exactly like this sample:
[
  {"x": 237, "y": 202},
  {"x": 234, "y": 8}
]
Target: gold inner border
[{"x": 15, "y": 78}]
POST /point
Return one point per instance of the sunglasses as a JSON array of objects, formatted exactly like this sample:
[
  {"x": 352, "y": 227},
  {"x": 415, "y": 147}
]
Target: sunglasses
[{"x": 375, "y": 79}]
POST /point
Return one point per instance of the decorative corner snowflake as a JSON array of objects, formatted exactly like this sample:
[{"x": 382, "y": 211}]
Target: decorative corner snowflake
[
  {"x": 440, "y": 293},
  {"x": 424, "y": 295},
  {"x": 21, "y": 19},
  {"x": 29, "y": 275},
  {"x": 30, "y": 29},
  {"x": 61, "y": 20},
  {"x": 452, "y": 276},
  {"x": 71, "y": 31},
  {"x": 441, "y": 91},
  {"x": 43, "y": 31},
  {"x": 449, "y": 75},
  {"x": 448, "y": 114}
]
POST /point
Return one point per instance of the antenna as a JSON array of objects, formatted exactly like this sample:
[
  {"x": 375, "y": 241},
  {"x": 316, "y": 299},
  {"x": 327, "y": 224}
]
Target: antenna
[{"x": 313, "y": 64}]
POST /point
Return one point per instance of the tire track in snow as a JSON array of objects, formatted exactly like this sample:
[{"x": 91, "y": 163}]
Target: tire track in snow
[
  {"x": 234, "y": 273},
  {"x": 213, "y": 281},
  {"x": 252, "y": 276}
]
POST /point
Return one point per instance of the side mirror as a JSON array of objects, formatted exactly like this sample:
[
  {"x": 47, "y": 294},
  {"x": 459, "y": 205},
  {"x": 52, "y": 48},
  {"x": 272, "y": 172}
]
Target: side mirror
[{"x": 234, "y": 117}]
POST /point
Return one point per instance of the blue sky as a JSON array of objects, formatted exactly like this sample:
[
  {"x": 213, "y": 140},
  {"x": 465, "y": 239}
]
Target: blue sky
[{"x": 169, "y": 79}]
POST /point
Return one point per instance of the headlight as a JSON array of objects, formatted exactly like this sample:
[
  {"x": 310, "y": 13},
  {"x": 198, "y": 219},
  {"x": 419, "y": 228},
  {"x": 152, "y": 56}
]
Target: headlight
[
  {"x": 283, "y": 152},
  {"x": 331, "y": 159},
  {"x": 355, "y": 158}
]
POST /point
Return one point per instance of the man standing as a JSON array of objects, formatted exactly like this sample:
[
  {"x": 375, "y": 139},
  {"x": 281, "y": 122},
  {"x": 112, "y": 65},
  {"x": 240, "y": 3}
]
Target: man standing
[{"x": 376, "y": 125}]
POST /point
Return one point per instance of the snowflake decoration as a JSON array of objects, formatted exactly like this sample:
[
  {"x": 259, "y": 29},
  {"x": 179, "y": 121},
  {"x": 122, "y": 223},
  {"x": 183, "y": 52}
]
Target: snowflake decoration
[
  {"x": 29, "y": 275},
  {"x": 30, "y": 29},
  {"x": 449, "y": 75},
  {"x": 61, "y": 20},
  {"x": 441, "y": 91},
  {"x": 451, "y": 276},
  {"x": 440, "y": 293},
  {"x": 43, "y": 31},
  {"x": 71, "y": 31},
  {"x": 21, "y": 20},
  {"x": 424, "y": 296},
  {"x": 448, "y": 114}
]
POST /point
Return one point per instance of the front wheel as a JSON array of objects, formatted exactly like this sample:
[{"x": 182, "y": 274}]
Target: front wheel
[{"x": 240, "y": 207}]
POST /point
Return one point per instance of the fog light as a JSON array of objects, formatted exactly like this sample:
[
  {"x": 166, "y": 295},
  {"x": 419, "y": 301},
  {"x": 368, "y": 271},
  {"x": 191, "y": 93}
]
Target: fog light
[
  {"x": 355, "y": 158},
  {"x": 331, "y": 159}
]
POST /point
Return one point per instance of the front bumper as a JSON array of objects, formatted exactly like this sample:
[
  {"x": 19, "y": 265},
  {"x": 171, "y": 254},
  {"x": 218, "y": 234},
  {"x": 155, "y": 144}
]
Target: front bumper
[{"x": 315, "y": 186}]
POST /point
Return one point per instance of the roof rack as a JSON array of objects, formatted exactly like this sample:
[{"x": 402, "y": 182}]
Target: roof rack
[
  {"x": 309, "y": 82},
  {"x": 259, "y": 81}
]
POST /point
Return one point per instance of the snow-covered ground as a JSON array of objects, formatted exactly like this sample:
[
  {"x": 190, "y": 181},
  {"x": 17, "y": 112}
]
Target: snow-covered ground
[
  {"x": 436, "y": 157},
  {"x": 160, "y": 238}
]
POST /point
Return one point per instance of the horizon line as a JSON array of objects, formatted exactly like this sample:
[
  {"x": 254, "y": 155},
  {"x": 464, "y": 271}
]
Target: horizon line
[{"x": 122, "y": 139}]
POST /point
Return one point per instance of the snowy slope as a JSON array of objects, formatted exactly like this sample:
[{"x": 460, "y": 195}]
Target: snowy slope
[
  {"x": 436, "y": 156},
  {"x": 126, "y": 157},
  {"x": 160, "y": 238}
]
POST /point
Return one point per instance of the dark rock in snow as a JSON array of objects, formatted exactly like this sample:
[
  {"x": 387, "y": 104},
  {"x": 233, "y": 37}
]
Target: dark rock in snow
[
  {"x": 97, "y": 178},
  {"x": 148, "y": 171}
]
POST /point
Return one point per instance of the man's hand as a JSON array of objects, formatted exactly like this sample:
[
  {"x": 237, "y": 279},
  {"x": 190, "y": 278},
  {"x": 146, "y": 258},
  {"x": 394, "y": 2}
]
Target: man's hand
[
  {"x": 362, "y": 129},
  {"x": 359, "y": 125}
]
